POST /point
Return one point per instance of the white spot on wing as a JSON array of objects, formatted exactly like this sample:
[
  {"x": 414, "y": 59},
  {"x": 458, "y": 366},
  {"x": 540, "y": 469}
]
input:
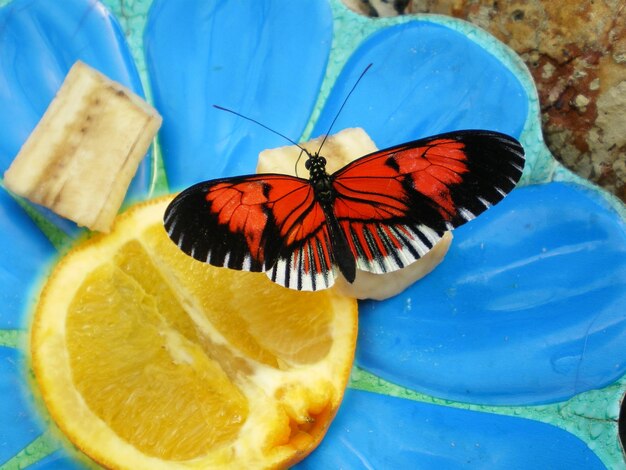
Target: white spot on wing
[
  {"x": 517, "y": 167},
  {"x": 430, "y": 234},
  {"x": 484, "y": 202},
  {"x": 247, "y": 263},
  {"x": 278, "y": 270},
  {"x": 179, "y": 242},
  {"x": 467, "y": 215},
  {"x": 417, "y": 243},
  {"x": 169, "y": 215},
  {"x": 171, "y": 228}
]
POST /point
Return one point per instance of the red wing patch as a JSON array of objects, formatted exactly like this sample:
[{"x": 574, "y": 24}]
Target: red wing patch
[
  {"x": 433, "y": 169},
  {"x": 242, "y": 208}
]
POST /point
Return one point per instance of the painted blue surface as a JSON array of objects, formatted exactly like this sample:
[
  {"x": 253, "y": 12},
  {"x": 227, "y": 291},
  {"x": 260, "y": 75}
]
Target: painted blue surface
[
  {"x": 24, "y": 255},
  {"x": 264, "y": 59},
  {"x": 425, "y": 79},
  {"x": 374, "y": 431},
  {"x": 18, "y": 428},
  {"x": 527, "y": 307},
  {"x": 40, "y": 40}
]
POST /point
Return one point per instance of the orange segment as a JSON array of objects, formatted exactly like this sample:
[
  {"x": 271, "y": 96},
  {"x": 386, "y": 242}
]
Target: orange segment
[{"x": 147, "y": 358}]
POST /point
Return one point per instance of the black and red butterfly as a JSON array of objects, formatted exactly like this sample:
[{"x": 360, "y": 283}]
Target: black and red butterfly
[{"x": 379, "y": 213}]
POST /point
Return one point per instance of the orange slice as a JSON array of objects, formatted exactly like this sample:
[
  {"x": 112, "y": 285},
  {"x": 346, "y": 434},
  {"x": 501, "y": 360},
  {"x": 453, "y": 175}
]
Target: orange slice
[{"x": 149, "y": 359}]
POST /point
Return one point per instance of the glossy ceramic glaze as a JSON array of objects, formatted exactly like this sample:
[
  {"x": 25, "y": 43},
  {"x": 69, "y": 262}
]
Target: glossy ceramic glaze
[{"x": 509, "y": 354}]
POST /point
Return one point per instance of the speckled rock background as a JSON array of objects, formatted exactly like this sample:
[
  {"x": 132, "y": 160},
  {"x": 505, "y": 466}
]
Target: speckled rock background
[{"x": 576, "y": 51}]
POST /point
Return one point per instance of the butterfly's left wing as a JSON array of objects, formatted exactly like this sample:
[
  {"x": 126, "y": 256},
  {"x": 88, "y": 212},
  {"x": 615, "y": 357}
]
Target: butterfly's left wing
[
  {"x": 270, "y": 223},
  {"x": 395, "y": 204}
]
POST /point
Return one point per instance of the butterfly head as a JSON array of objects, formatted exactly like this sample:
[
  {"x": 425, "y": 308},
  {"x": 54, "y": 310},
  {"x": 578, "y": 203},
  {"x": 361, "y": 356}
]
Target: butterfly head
[
  {"x": 316, "y": 165},
  {"x": 319, "y": 179}
]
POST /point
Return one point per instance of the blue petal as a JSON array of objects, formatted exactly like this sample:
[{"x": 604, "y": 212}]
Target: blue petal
[
  {"x": 24, "y": 253},
  {"x": 41, "y": 40},
  {"x": 19, "y": 427},
  {"x": 425, "y": 79},
  {"x": 377, "y": 431},
  {"x": 264, "y": 59},
  {"x": 527, "y": 307}
]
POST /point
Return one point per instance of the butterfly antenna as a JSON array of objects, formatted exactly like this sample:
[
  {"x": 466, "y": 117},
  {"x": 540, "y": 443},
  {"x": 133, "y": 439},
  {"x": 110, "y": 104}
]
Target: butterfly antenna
[
  {"x": 298, "y": 161},
  {"x": 345, "y": 100},
  {"x": 262, "y": 125}
]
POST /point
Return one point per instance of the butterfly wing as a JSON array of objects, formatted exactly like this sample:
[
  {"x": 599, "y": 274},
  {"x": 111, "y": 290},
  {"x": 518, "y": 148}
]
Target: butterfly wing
[
  {"x": 268, "y": 223},
  {"x": 391, "y": 206},
  {"x": 395, "y": 204}
]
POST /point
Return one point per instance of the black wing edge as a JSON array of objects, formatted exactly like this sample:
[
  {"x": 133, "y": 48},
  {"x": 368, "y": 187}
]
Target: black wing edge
[{"x": 495, "y": 162}]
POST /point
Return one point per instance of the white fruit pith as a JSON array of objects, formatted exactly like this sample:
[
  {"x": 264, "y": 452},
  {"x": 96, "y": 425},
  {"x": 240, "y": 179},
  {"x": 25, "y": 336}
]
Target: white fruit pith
[
  {"x": 81, "y": 156},
  {"x": 339, "y": 150}
]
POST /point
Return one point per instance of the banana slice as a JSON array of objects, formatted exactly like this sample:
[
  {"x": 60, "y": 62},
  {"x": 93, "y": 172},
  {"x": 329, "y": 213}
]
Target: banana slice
[
  {"x": 84, "y": 151},
  {"x": 339, "y": 150}
]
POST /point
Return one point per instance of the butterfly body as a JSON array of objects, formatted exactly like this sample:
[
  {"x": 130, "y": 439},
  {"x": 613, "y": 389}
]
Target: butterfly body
[
  {"x": 320, "y": 180},
  {"x": 379, "y": 213},
  {"x": 325, "y": 194}
]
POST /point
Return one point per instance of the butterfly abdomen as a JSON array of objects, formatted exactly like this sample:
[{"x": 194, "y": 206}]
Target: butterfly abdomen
[{"x": 342, "y": 253}]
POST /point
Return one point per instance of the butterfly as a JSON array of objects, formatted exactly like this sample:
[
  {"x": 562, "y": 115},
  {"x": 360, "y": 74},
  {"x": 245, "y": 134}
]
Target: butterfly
[{"x": 379, "y": 213}]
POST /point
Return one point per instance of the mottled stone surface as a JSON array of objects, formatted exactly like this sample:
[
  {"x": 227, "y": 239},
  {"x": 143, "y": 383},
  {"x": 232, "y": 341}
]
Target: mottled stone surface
[{"x": 576, "y": 52}]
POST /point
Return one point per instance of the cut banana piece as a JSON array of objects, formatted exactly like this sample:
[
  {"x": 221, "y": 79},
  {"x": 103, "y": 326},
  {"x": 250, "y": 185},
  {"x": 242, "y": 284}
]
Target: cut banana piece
[
  {"x": 339, "y": 150},
  {"x": 85, "y": 150}
]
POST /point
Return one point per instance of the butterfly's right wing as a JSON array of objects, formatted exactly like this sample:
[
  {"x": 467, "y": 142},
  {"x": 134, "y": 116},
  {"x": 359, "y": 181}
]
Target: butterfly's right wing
[
  {"x": 269, "y": 223},
  {"x": 395, "y": 204}
]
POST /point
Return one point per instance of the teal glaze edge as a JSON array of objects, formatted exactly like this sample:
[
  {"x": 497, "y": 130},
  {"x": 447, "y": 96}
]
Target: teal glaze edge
[
  {"x": 43, "y": 446},
  {"x": 51, "y": 441},
  {"x": 15, "y": 339},
  {"x": 133, "y": 20},
  {"x": 38, "y": 449},
  {"x": 599, "y": 431}
]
